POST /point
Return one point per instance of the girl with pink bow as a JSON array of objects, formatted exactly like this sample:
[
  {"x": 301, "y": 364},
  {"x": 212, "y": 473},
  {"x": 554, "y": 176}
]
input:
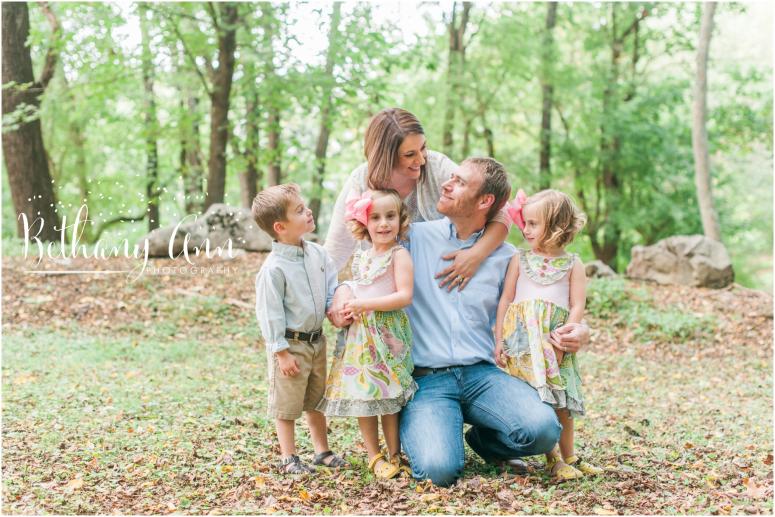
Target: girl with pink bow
[
  {"x": 371, "y": 375},
  {"x": 545, "y": 288}
]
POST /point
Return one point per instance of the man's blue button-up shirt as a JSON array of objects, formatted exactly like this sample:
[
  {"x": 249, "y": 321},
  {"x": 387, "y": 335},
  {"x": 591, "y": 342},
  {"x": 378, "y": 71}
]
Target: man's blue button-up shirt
[{"x": 453, "y": 328}]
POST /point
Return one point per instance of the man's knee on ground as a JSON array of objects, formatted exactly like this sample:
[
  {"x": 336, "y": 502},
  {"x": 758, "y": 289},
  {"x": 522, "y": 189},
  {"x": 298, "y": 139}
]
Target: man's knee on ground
[
  {"x": 442, "y": 470},
  {"x": 541, "y": 433}
]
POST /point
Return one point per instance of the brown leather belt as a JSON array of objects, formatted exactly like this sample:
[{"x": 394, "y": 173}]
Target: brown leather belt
[{"x": 303, "y": 336}]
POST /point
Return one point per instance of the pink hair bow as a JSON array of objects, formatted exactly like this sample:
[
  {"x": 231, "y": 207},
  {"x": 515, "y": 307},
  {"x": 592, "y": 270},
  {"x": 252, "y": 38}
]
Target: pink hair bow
[
  {"x": 358, "y": 207},
  {"x": 514, "y": 208}
]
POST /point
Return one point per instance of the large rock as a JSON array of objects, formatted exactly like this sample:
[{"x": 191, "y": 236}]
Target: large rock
[
  {"x": 598, "y": 269},
  {"x": 219, "y": 224},
  {"x": 693, "y": 260}
]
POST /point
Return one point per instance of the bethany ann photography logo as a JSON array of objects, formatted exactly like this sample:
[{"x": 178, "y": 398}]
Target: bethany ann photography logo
[{"x": 62, "y": 249}]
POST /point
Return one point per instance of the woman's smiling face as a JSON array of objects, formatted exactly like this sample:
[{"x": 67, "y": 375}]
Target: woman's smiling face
[{"x": 411, "y": 157}]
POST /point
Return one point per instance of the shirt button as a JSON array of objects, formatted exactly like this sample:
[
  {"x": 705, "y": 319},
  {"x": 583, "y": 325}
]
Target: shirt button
[
  {"x": 542, "y": 273},
  {"x": 546, "y": 260}
]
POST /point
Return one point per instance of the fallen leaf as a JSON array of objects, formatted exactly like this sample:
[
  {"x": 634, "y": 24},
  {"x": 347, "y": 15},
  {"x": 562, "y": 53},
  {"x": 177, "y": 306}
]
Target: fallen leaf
[
  {"x": 768, "y": 460},
  {"x": 599, "y": 510},
  {"x": 754, "y": 489},
  {"x": 226, "y": 468},
  {"x": 74, "y": 484},
  {"x": 426, "y": 498},
  {"x": 304, "y": 495}
]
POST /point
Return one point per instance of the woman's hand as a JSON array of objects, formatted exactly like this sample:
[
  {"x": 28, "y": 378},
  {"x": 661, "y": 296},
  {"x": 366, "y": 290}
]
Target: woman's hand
[
  {"x": 459, "y": 273},
  {"x": 570, "y": 337}
]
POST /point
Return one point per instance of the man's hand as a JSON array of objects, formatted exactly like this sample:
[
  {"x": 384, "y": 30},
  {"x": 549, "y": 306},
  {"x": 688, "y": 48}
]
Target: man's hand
[
  {"x": 570, "y": 337},
  {"x": 336, "y": 313},
  {"x": 289, "y": 365}
]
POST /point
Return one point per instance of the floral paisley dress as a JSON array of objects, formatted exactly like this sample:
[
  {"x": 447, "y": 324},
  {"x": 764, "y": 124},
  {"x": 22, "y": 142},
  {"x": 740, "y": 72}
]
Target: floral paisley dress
[
  {"x": 540, "y": 305},
  {"x": 371, "y": 373}
]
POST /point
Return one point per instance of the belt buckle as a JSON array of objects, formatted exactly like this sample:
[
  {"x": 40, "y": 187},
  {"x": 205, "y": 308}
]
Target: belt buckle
[{"x": 313, "y": 336}]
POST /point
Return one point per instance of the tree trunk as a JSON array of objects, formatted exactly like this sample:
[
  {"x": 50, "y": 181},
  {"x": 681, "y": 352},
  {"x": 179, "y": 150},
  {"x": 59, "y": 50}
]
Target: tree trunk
[
  {"x": 702, "y": 176},
  {"x": 151, "y": 125},
  {"x": 250, "y": 177},
  {"x": 455, "y": 68},
  {"x": 219, "y": 109},
  {"x": 274, "y": 175},
  {"x": 191, "y": 168},
  {"x": 32, "y": 188},
  {"x": 325, "y": 112},
  {"x": 547, "y": 92}
]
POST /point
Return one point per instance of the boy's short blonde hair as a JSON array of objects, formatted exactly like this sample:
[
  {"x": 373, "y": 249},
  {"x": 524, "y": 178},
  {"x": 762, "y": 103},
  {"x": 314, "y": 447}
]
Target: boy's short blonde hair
[
  {"x": 562, "y": 218},
  {"x": 271, "y": 205},
  {"x": 361, "y": 233}
]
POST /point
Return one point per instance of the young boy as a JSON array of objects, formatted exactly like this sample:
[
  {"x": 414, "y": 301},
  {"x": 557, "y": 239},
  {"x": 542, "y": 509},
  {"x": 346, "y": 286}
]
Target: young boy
[{"x": 293, "y": 290}]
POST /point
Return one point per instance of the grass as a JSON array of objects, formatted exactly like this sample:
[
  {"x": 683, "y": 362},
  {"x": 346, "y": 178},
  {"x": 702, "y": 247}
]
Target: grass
[{"x": 167, "y": 414}]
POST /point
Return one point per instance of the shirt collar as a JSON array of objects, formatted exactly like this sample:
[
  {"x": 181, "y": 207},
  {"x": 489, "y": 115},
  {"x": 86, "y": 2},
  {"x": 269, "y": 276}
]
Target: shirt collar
[
  {"x": 288, "y": 250},
  {"x": 470, "y": 241}
]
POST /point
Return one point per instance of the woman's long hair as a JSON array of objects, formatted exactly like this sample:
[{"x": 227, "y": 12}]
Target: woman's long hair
[{"x": 385, "y": 134}]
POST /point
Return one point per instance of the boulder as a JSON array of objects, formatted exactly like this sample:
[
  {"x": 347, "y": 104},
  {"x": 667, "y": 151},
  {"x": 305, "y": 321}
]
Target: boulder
[
  {"x": 217, "y": 225},
  {"x": 598, "y": 269},
  {"x": 693, "y": 260}
]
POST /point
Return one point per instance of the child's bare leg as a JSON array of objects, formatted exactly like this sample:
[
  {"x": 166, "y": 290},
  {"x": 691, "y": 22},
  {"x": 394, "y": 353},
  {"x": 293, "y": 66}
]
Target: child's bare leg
[
  {"x": 566, "y": 437},
  {"x": 390, "y": 430},
  {"x": 317, "y": 430},
  {"x": 370, "y": 434},
  {"x": 285, "y": 435}
]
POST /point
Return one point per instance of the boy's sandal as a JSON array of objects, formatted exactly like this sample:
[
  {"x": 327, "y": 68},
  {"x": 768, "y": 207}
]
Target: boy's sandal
[
  {"x": 382, "y": 468},
  {"x": 293, "y": 465},
  {"x": 561, "y": 471},
  {"x": 334, "y": 461},
  {"x": 584, "y": 466}
]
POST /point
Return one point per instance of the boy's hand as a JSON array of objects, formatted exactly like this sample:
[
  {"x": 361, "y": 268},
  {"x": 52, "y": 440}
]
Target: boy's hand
[
  {"x": 500, "y": 354},
  {"x": 289, "y": 365}
]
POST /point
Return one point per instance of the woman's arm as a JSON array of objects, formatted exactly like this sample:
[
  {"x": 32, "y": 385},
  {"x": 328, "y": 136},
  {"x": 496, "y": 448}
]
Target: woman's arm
[
  {"x": 404, "y": 277},
  {"x": 339, "y": 240},
  {"x": 467, "y": 261},
  {"x": 509, "y": 290}
]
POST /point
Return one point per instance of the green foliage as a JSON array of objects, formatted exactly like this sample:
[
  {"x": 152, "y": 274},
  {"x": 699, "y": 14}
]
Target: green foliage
[
  {"x": 622, "y": 304},
  {"x": 633, "y": 120}
]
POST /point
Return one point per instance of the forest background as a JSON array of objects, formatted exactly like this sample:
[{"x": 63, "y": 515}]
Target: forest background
[{"x": 151, "y": 111}]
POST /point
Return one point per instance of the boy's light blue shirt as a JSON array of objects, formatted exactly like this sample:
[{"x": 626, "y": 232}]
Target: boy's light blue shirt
[
  {"x": 294, "y": 288},
  {"x": 452, "y": 328}
]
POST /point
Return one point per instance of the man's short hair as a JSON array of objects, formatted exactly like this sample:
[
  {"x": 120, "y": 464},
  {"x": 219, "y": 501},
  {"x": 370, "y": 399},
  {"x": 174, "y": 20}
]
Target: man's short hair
[
  {"x": 495, "y": 181},
  {"x": 271, "y": 205}
]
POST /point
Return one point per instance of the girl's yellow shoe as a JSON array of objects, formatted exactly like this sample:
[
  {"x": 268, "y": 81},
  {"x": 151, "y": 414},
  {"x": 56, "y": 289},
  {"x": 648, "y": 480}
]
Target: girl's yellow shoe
[
  {"x": 561, "y": 471},
  {"x": 402, "y": 465},
  {"x": 383, "y": 468},
  {"x": 584, "y": 466}
]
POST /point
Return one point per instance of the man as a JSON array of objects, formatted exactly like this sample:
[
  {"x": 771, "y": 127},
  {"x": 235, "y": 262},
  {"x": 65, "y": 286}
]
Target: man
[{"x": 453, "y": 349}]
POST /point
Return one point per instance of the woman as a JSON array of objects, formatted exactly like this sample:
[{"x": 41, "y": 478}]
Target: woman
[{"x": 396, "y": 158}]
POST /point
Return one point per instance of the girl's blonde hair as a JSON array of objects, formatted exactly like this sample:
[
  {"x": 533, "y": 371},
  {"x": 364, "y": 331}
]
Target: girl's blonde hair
[
  {"x": 360, "y": 231},
  {"x": 385, "y": 134},
  {"x": 562, "y": 218}
]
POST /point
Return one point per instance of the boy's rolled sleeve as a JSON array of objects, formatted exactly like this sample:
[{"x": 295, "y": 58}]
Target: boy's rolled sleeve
[{"x": 270, "y": 291}]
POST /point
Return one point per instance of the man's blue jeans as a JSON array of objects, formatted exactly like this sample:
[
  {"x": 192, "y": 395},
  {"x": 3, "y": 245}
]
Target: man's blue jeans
[{"x": 508, "y": 418}]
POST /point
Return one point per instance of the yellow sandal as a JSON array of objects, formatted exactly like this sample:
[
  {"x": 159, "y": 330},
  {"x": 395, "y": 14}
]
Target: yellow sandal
[
  {"x": 584, "y": 466},
  {"x": 561, "y": 471},
  {"x": 403, "y": 466},
  {"x": 383, "y": 469}
]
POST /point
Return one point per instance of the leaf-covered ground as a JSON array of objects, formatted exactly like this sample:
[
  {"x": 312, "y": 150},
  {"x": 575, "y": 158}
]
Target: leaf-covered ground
[{"x": 149, "y": 397}]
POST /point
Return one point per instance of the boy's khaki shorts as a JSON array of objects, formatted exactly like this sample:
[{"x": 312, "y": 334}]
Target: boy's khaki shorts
[{"x": 289, "y": 396}]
